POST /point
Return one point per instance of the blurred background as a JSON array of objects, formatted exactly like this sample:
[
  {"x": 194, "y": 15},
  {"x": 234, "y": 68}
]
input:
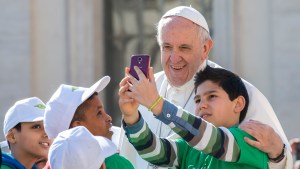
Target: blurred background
[{"x": 44, "y": 43}]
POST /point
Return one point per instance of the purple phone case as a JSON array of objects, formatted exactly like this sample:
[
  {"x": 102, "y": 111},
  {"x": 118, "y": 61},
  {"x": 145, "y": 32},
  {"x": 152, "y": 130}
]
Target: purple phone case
[{"x": 141, "y": 61}]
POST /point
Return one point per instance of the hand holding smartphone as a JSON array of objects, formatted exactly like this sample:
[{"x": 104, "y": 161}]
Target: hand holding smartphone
[{"x": 142, "y": 61}]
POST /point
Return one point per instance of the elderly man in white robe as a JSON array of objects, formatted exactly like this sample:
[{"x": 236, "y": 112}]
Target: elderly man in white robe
[{"x": 184, "y": 51}]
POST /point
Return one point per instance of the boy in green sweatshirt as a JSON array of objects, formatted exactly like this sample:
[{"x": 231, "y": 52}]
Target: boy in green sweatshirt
[{"x": 209, "y": 139}]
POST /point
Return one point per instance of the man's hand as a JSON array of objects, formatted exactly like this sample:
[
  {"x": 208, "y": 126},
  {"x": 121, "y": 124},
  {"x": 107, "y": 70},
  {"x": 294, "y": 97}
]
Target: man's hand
[{"x": 267, "y": 140}]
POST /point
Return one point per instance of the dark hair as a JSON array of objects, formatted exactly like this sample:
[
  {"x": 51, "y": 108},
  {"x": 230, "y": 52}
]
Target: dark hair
[
  {"x": 79, "y": 112},
  {"x": 230, "y": 83},
  {"x": 18, "y": 127}
]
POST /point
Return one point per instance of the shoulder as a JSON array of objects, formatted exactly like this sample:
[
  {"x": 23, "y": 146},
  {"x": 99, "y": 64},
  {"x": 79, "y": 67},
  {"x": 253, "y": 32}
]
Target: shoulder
[
  {"x": 115, "y": 157},
  {"x": 7, "y": 158},
  {"x": 248, "y": 155},
  {"x": 117, "y": 161},
  {"x": 238, "y": 133},
  {"x": 159, "y": 76},
  {"x": 5, "y": 167},
  {"x": 213, "y": 64},
  {"x": 9, "y": 161}
]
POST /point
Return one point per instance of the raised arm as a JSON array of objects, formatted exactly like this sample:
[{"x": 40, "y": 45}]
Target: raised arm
[
  {"x": 200, "y": 134},
  {"x": 155, "y": 150}
]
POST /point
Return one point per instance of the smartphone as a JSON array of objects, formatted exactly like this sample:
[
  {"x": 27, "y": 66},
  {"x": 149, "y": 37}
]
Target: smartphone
[
  {"x": 142, "y": 61},
  {"x": 297, "y": 151}
]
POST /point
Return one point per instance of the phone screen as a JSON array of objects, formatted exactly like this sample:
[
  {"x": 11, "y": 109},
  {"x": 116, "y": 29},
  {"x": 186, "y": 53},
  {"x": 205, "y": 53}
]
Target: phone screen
[{"x": 142, "y": 61}]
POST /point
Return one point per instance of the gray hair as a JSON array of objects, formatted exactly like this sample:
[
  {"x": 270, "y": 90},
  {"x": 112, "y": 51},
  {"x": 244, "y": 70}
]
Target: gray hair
[{"x": 203, "y": 34}]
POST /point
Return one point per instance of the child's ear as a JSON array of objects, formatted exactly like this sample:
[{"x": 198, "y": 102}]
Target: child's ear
[
  {"x": 76, "y": 123},
  {"x": 11, "y": 137},
  {"x": 240, "y": 104}
]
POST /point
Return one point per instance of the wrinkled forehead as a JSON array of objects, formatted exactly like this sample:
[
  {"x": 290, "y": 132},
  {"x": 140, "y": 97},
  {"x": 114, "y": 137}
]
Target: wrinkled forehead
[
  {"x": 176, "y": 21},
  {"x": 176, "y": 27}
]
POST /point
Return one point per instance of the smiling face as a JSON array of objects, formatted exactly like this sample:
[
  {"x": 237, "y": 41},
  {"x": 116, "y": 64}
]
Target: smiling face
[
  {"x": 182, "y": 51},
  {"x": 31, "y": 140},
  {"x": 213, "y": 105},
  {"x": 95, "y": 119}
]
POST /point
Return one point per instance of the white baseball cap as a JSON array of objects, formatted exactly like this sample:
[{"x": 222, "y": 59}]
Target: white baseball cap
[
  {"x": 62, "y": 105},
  {"x": 188, "y": 13},
  {"x": 27, "y": 110},
  {"x": 77, "y": 148}
]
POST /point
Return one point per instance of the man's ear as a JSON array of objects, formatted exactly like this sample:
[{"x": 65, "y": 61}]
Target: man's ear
[
  {"x": 240, "y": 104},
  {"x": 208, "y": 44},
  {"x": 11, "y": 136}
]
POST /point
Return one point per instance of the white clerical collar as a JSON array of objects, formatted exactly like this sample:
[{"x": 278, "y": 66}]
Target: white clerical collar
[{"x": 186, "y": 86}]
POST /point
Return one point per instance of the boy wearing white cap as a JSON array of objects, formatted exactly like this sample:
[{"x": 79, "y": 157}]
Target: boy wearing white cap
[
  {"x": 72, "y": 106},
  {"x": 24, "y": 131},
  {"x": 185, "y": 43},
  {"x": 77, "y": 148}
]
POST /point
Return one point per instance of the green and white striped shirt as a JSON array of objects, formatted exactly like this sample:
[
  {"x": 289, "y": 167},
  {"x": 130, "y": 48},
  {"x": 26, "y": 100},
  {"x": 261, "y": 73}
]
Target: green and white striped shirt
[{"x": 216, "y": 143}]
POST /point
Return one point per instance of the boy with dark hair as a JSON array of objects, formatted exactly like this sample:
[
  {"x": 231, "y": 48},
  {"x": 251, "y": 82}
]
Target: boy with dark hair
[
  {"x": 221, "y": 99},
  {"x": 228, "y": 81},
  {"x": 25, "y": 134}
]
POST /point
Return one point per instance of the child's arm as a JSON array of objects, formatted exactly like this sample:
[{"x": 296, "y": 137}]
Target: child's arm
[
  {"x": 151, "y": 148},
  {"x": 201, "y": 135},
  {"x": 218, "y": 142},
  {"x": 158, "y": 151}
]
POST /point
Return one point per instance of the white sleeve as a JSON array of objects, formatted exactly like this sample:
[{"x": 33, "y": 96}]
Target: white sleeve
[
  {"x": 261, "y": 110},
  {"x": 286, "y": 163}
]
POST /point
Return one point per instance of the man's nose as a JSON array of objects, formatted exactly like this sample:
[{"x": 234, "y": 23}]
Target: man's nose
[{"x": 175, "y": 56}]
